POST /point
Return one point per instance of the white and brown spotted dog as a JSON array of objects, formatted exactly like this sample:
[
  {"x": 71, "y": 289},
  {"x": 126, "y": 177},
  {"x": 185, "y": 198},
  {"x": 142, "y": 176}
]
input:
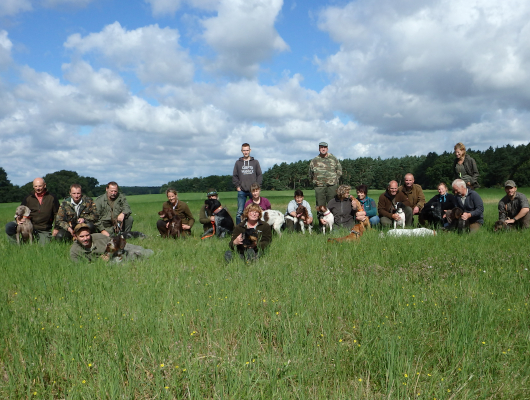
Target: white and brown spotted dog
[
  {"x": 302, "y": 215},
  {"x": 324, "y": 213},
  {"x": 275, "y": 219}
]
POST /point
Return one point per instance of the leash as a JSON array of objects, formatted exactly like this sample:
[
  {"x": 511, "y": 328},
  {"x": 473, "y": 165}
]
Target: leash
[{"x": 213, "y": 233}]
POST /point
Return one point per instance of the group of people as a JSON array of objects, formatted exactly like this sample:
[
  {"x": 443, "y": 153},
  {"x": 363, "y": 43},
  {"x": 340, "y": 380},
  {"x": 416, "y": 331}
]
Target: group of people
[{"x": 92, "y": 223}]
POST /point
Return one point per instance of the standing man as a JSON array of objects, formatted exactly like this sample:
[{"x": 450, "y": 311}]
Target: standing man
[
  {"x": 77, "y": 209},
  {"x": 44, "y": 207},
  {"x": 470, "y": 202},
  {"x": 246, "y": 172},
  {"x": 388, "y": 204},
  {"x": 324, "y": 171},
  {"x": 112, "y": 208},
  {"x": 414, "y": 193},
  {"x": 514, "y": 208}
]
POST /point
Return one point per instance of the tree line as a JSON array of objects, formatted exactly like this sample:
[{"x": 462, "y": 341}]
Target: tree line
[{"x": 495, "y": 165}]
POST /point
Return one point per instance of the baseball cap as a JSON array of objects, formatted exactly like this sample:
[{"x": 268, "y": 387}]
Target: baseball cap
[
  {"x": 323, "y": 144},
  {"x": 79, "y": 227},
  {"x": 509, "y": 183}
]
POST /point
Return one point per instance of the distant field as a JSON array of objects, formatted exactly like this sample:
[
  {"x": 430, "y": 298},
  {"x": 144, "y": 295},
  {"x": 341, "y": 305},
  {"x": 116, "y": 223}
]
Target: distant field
[{"x": 443, "y": 317}]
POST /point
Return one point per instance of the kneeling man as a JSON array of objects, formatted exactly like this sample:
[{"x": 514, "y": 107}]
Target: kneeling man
[
  {"x": 92, "y": 246},
  {"x": 514, "y": 208},
  {"x": 388, "y": 202},
  {"x": 470, "y": 202}
]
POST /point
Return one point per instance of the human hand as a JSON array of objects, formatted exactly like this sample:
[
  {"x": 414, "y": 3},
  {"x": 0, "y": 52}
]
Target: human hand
[
  {"x": 465, "y": 216},
  {"x": 121, "y": 217},
  {"x": 186, "y": 227},
  {"x": 239, "y": 239}
]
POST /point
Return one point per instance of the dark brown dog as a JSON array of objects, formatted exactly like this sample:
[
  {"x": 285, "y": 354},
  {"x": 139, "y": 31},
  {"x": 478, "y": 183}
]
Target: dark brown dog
[
  {"x": 174, "y": 228},
  {"x": 454, "y": 217},
  {"x": 355, "y": 235},
  {"x": 499, "y": 226},
  {"x": 24, "y": 225}
]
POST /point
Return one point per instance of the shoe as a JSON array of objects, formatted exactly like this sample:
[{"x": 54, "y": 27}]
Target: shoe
[{"x": 228, "y": 256}]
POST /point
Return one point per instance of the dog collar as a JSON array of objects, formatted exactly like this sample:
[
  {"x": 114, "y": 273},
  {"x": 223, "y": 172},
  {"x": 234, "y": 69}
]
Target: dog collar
[
  {"x": 327, "y": 213},
  {"x": 219, "y": 209},
  {"x": 355, "y": 232}
]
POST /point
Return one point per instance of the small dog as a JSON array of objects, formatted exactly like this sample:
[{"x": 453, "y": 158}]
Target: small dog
[
  {"x": 250, "y": 239},
  {"x": 500, "y": 226},
  {"x": 115, "y": 250},
  {"x": 301, "y": 211},
  {"x": 359, "y": 207},
  {"x": 24, "y": 225},
  {"x": 401, "y": 221},
  {"x": 355, "y": 234},
  {"x": 326, "y": 215},
  {"x": 408, "y": 232},
  {"x": 174, "y": 228},
  {"x": 275, "y": 219},
  {"x": 223, "y": 224},
  {"x": 454, "y": 217}
]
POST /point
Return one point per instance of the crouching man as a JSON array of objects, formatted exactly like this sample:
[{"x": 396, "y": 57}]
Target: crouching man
[
  {"x": 251, "y": 236},
  {"x": 514, "y": 209},
  {"x": 92, "y": 246}
]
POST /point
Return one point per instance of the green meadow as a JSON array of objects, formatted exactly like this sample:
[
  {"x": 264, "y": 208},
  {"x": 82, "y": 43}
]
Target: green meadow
[{"x": 444, "y": 317}]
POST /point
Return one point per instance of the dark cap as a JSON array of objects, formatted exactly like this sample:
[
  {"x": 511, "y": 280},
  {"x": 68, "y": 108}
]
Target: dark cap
[
  {"x": 510, "y": 183},
  {"x": 79, "y": 227},
  {"x": 323, "y": 144},
  {"x": 211, "y": 192}
]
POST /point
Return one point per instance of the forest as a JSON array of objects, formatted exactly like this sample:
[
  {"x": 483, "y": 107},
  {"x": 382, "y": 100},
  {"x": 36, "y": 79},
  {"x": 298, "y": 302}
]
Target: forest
[{"x": 496, "y": 165}]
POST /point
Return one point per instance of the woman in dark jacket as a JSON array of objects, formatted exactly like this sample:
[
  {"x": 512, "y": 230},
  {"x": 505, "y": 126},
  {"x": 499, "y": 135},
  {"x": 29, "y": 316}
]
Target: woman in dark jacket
[
  {"x": 343, "y": 207},
  {"x": 465, "y": 167},
  {"x": 434, "y": 210}
]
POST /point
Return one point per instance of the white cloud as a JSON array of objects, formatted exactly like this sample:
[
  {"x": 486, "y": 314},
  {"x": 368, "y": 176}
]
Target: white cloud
[
  {"x": 243, "y": 35},
  {"x": 152, "y": 52},
  {"x": 5, "y": 49},
  {"x": 12, "y": 7},
  {"x": 162, "y": 7}
]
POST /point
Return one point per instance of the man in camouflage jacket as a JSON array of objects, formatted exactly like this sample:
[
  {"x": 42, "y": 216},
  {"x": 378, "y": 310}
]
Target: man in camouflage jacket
[
  {"x": 324, "y": 171},
  {"x": 112, "y": 207},
  {"x": 76, "y": 209}
]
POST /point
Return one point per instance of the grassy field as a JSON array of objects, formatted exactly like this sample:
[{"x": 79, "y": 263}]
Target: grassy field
[{"x": 443, "y": 317}]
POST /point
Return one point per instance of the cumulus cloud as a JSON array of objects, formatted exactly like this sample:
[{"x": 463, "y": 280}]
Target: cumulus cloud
[
  {"x": 436, "y": 64},
  {"x": 12, "y": 7},
  {"x": 152, "y": 52},
  {"x": 243, "y": 35},
  {"x": 5, "y": 49},
  {"x": 162, "y": 7}
]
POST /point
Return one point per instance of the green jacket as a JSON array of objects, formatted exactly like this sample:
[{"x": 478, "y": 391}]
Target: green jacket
[
  {"x": 415, "y": 195},
  {"x": 471, "y": 169},
  {"x": 325, "y": 171},
  {"x": 99, "y": 245},
  {"x": 42, "y": 215},
  {"x": 107, "y": 214},
  {"x": 183, "y": 212},
  {"x": 67, "y": 214}
]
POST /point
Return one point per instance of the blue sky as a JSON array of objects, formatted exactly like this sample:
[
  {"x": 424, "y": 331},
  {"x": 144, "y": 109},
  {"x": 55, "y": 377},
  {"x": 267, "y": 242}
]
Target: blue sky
[{"x": 148, "y": 91}]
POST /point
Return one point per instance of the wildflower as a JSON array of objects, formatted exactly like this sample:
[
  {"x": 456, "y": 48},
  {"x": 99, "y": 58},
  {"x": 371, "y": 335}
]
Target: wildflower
[
  {"x": 360, "y": 380},
  {"x": 89, "y": 365},
  {"x": 247, "y": 363},
  {"x": 166, "y": 387},
  {"x": 340, "y": 340},
  {"x": 406, "y": 376},
  {"x": 84, "y": 381},
  {"x": 161, "y": 365}
]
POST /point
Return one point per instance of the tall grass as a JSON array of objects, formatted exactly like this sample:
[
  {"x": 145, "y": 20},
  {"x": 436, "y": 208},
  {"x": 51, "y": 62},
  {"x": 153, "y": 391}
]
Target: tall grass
[{"x": 437, "y": 317}]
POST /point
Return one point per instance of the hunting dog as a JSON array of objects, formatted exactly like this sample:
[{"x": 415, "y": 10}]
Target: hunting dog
[
  {"x": 301, "y": 217},
  {"x": 454, "y": 217},
  {"x": 500, "y": 226},
  {"x": 24, "y": 225},
  {"x": 354, "y": 236},
  {"x": 115, "y": 250},
  {"x": 401, "y": 221},
  {"x": 408, "y": 232},
  {"x": 223, "y": 224},
  {"x": 174, "y": 228},
  {"x": 433, "y": 213},
  {"x": 326, "y": 215},
  {"x": 275, "y": 219},
  {"x": 359, "y": 207}
]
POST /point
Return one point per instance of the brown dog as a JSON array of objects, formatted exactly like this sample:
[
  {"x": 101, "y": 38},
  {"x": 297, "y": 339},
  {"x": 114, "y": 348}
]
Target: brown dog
[
  {"x": 454, "y": 217},
  {"x": 115, "y": 248},
  {"x": 355, "y": 235},
  {"x": 360, "y": 207},
  {"x": 24, "y": 225},
  {"x": 174, "y": 228},
  {"x": 500, "y": 226}
]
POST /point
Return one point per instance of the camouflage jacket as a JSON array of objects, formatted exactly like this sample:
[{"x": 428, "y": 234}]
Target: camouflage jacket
[
  {"x": 67, "y": 214},
  {"x": 107, "y": 214},
  {"x": 509, "y": 208},
  {"x": 325, "y": 171}
]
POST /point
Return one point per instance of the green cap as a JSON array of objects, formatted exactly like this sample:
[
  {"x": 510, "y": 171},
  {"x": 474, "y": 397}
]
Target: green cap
[
  {"x": 510, "y": 183},
  {"x": 323, "y": 144}
]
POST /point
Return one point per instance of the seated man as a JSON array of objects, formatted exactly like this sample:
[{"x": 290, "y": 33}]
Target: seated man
[
  {"x": 76, "y": 209},
  {"x": 251, "y": 236},
  {"x": 470, "y": 202},
  {"x": 291, "y": 210},
  {"x": 113, "y": 210},
  {"x": 91, "y": 246},
  {"x": 414, "y": 193},
  {"x": 44, "y": 207},
  {"x": 257, "y": 199},
  {"x": 388, "y": 203},
  {"x": 514, "y": 207}
]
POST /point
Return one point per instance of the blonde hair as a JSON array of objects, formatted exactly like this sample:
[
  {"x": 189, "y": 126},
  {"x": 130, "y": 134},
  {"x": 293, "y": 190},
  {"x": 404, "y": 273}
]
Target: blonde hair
[
  {"x": 460, "y": 146},
  {"x": 342, "y": 191},
  {"x": 252, "y": 207}
]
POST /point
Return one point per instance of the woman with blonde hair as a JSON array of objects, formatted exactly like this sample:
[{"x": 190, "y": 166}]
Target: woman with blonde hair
[
  {"x": 465, "y": 167},
  {"x": 343, "y": 207}
]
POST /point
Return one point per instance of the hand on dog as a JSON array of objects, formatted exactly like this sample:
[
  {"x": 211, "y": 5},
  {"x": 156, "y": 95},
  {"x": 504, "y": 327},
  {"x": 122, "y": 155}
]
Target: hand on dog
[
  {"x": 465, "y": 216},
  {"x": 121, "y": 217},
  {"x": 55, "y": 232},
  {"x": 186, "y": 227},
  {"x": 238, "y": 240},
  {"x": 323, "y": 221},
  {"x": 395, "y": 217},
  {"x": 416, "y": 210}
]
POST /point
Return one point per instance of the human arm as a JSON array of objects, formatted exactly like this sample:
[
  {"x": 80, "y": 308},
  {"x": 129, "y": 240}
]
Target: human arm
[
  {"x": 477, "y": 204},
  {"x": 259, "y": 176},
  {"x": 204, "y": 218},
  {"x": 187, "y": 216},
  {"x": 235, "y": 177},
  {"x": 420, "y": 200}
]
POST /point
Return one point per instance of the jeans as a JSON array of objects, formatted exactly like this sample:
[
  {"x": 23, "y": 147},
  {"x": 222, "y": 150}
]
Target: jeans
[
  {"x": 374, "y": 220},
  {"x": 241, "y": 200}
]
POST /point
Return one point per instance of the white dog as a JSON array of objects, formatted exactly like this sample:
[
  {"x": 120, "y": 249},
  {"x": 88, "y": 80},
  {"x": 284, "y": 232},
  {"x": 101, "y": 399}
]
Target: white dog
[
  {"x": 401, "y": 221},
  {"x": 326, "y": 215},
  {"x": 275, "y": 219},
  {"x": 408, "y": 232}
]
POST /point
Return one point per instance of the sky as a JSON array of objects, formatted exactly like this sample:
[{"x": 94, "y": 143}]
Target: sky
[{"x": 144, "y": 92}]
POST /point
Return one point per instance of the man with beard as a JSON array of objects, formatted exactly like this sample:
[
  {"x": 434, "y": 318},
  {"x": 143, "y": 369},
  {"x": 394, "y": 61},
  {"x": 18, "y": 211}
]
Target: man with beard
[{"x": 113, "y": 209}]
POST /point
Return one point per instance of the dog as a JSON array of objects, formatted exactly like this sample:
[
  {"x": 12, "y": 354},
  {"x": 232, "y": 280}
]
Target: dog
[
  {"x": 355, "y": 234},
  {"x": 301, "y": 211},
  {"x": 326, "y": 215},
  {"x": 500, "y": 226},
  {"x": 454, "y": 218},
  {"x": 174, "y": 228},
  {"x": 115, "y": 250},
  {"x": 359, "y": 207},
  {"x": 401, "y": 221},
  {"x": 433, "y": 213},
  {"x": 408, "y": 232},
  {"x": 275, "y": 219},
  {"x": 250, "y": 239},
  {"x": 24, "y": 225},
  {"x": 223, "y": 224}
]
